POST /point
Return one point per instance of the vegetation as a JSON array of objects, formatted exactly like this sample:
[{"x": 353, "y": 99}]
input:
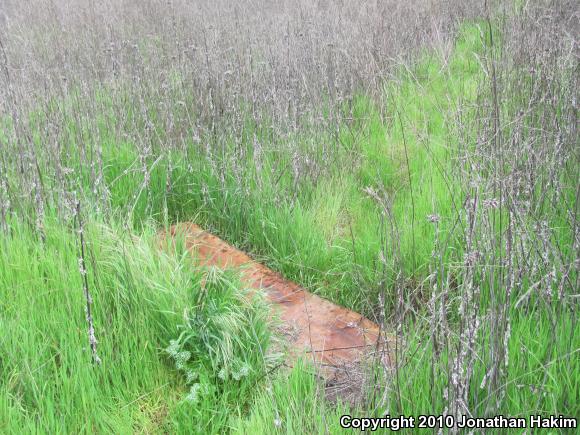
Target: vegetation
[{"x": 425, "y": 176}]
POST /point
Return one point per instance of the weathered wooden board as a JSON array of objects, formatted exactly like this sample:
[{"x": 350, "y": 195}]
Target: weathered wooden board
[{"x": 334, "y": 337}]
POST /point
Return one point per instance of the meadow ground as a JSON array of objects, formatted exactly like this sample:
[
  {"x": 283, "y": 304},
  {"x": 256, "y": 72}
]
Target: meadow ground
[{"x": 426, "y": 177}]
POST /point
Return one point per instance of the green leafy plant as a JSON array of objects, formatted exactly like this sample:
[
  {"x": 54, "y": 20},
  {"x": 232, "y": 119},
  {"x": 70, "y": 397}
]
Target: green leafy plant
[{"x": 225, "y": 338}]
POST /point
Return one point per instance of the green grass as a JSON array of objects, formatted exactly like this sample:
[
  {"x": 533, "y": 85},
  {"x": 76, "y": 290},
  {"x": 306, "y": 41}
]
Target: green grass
[
  {"x": 328, "y": 234},
  {"x": 139, "y": 297},
  {"x": 181, "y": 357},
  {"x": 293, "y": 404},
  {"x": 50, "y": 381},
  {"x": 540, "y": 380}
]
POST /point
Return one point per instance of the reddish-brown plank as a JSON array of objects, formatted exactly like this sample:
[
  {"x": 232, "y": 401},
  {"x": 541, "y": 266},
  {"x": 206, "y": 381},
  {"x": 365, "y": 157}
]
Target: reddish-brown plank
[{"x": 330, "y": 335}]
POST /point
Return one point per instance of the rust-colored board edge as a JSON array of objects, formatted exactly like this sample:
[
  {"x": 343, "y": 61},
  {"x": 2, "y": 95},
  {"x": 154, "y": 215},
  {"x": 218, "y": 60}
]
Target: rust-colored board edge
[{"x": 331, "y": 335}]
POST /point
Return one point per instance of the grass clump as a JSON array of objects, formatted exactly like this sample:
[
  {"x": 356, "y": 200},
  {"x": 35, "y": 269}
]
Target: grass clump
[
  {"x": 222, "y": 352},
  {"x": 293, "y": 404},
  {"x": 139, "y": 295}
]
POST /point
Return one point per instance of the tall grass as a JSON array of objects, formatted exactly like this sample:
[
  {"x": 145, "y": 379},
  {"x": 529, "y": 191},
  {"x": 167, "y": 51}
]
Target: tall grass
[
  {"x": 139, "y": 296},
  {"x": 424, "y": 174}
]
